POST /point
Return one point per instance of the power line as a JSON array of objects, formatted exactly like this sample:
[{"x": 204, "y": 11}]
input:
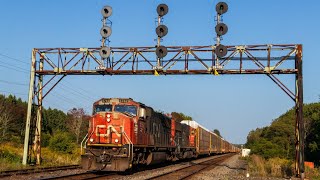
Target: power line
[
  {"x": 83, "y": 90},
  {"x": 13, "y": 93},
  {"x": 13, "y": 83},
  {"x": 73, "y": 91},
  {"x": 15, "y": 69},
  {"x": 3, "y": 55}
]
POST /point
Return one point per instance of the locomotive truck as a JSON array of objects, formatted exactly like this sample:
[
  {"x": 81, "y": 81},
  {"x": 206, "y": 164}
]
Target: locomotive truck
[{"x": 124, "y": 133}]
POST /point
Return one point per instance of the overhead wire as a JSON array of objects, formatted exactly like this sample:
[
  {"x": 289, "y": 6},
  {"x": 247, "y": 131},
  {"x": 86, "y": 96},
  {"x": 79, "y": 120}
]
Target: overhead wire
[
  {"x": 15, "y": 69},
  {"x": 24, "y": 94},
  {"x": 3, "y": 55},
  {"x": 13, "y": 83},
  {"x": 79, "y": 92}
]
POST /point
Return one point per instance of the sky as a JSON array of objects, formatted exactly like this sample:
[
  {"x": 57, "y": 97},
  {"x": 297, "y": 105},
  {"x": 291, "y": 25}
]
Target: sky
[{"x": 233, "y": 104}]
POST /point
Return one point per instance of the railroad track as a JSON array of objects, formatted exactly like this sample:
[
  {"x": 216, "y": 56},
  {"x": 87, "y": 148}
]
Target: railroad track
[
  {"x": 87, "y": 175},
  {"x": 36, "y": 170},
  {"x": 191, "y": 169}
]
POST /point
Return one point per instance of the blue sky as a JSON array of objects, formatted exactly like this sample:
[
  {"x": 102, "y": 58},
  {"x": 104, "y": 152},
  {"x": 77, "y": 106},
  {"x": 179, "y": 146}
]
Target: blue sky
[{"x": 233, "y": 104}]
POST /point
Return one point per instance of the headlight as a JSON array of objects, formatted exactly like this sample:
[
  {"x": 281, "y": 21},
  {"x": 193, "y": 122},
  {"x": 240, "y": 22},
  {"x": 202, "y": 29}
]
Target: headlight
[
  {"x": 91, "y": 140},
  {"x": 108, "y": 119},
  {"x": 108, "y": 115},
  {"x": 116, "y": 140}
]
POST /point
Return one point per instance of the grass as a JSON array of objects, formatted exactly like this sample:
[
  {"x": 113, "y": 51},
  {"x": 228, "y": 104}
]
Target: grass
[
  {"x": 11, "y": 157},
  {"x": 277, "y": 167},
  {"x": 273, "y": 167},
  {"x": 313, "y": 173}
]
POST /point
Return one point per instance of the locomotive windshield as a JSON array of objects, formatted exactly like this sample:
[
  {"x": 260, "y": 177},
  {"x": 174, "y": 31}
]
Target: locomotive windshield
[
  {"x": 131, "y": 110},
  {"x": 102, "y": 108}
]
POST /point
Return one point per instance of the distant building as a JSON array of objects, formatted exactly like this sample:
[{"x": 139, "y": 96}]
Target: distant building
[{"x": 245, "y": 152}]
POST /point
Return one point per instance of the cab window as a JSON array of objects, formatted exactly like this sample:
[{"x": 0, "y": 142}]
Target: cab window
[
  {"x": 132, "y": 110},
  {"x": 102, "y": 108}
]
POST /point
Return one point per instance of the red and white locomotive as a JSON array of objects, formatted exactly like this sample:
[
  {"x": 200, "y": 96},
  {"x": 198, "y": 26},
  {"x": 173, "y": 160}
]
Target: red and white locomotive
[{"x": 123, "y": 133}]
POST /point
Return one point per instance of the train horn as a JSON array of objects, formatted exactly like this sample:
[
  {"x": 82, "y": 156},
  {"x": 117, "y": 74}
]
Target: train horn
[
  {"x": 161, "y": 51},
  {"x": 105, "y": 31},
  {"x": 162, "y": 31},
  {"x": 222, "y": 8},
  {"x": 221, "y": 29},
  {"x": 106, "y": 11},
  {"x": 105, "y": 52},
  {"x": 221, "y": 51},
  {"x": 162, "y": 9}
]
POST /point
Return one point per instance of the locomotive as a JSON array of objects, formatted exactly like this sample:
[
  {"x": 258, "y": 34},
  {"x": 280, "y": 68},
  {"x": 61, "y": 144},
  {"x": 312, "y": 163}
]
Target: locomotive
[{"x": 123, "y": 133}]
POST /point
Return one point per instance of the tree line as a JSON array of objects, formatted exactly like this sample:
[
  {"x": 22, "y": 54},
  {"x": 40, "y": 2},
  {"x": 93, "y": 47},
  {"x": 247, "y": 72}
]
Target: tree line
[
  {"x": 58, "y": 126},
  {"x": 278, "y": 139}
]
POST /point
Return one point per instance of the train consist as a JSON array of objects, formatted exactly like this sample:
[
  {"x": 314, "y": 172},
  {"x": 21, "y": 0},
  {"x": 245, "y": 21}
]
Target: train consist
[{"x": 124, "y": 133}]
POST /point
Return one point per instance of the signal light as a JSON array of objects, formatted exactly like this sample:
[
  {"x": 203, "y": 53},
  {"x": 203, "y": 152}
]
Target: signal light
[
  {"x": 105, "y": 31},
  {"x": 161, "y": 51},
  {"x": 222, "y": 8},
  {"x": 162, "y": 9},
  {"x": 221, "y": 29},
  {"x": 161, "y": 31},
  {"x": 106, "y": 11},
  {"x": 221, "y": 51},
  {"x": 105, "y": 52}
]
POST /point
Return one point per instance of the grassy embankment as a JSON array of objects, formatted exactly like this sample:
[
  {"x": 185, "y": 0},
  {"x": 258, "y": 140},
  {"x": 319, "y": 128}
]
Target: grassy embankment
[
  {"x": 11, "y": 157},
  {"x": 276, "y": 167}
]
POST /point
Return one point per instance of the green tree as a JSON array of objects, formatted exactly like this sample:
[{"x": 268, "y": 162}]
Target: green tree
[
  {"x": 62, "y": 142},
  {"x": 278, "y": 139},
  {"x": 180, "y": 116},
  {"x": 54, "y": 120},
  {"x": 217, "y": 132}
]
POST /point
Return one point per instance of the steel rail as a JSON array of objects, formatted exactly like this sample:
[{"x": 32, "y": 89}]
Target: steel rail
[
  {"x": 188, "y": 170},
  {"x": 36, "y": 170},
  {"x": 85, "y": 175}
]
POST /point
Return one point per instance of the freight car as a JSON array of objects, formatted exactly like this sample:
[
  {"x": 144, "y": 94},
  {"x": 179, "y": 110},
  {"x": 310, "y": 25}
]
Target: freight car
[{"x": 123, "y": 133}]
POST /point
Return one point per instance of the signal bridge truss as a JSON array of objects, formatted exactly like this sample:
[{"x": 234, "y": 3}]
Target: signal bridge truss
[{"x": 51, "y": 65}]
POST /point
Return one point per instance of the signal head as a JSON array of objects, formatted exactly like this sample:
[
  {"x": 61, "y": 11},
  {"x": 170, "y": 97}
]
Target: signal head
[
  {"x": 221, "y": 51},
  {"x": 162, "y": 9},
  {"x": 221, "y": 8},
  {"x": 221, "y": 29},
  {"x": 105, "y": 52},
  {"x": 105, "y": 31},
  {"x": 161, "y": 51},
  {"x": 106, "y": 11},
  {"x": 162, "y": 31}
]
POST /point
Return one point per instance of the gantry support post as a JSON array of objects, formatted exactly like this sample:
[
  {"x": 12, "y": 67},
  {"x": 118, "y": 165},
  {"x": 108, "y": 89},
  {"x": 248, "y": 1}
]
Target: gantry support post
[
  {"x": 30, "y": 103},
  {"x": 37, "y": 142},
  {"x": 300, "y": 131}
]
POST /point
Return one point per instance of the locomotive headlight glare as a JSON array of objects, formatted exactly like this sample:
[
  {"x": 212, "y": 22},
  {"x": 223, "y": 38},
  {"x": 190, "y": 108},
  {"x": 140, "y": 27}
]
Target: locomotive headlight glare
[
  {"x": 91, "y": 140},
  {"x": 116, "y": 140},
  {"x": 108, "y": 119},
  {"x": 108, "y": 115}
]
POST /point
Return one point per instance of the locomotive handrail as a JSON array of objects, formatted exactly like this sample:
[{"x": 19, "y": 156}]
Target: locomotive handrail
[
  {"x": 84, "y": 139},
  {"x": 130, "y": 145}
]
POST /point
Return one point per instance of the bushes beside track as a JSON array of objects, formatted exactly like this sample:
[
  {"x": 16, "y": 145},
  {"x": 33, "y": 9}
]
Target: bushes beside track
[
  {"x": 62, "y": 142},
  {"x": 11, "y": 157}
]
